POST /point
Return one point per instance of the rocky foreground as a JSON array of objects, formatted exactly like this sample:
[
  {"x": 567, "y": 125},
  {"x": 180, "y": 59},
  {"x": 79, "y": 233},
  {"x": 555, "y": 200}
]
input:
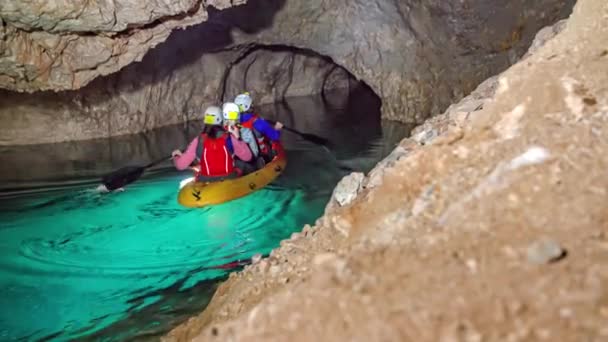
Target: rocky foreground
[{"x": 489, "y": 224}]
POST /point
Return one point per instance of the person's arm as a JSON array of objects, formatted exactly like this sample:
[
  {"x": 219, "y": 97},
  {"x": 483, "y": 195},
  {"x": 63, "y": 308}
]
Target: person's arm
[
  {"x": 267, "y": 130},
  {"x": 181, "y": 161},
  {"x": 247, "y": 136},
  {"x": 240, "y": 148}
]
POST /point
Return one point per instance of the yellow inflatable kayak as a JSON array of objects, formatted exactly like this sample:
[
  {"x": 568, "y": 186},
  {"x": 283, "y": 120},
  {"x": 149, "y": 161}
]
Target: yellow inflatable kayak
[{"x": 200, "y": 194}]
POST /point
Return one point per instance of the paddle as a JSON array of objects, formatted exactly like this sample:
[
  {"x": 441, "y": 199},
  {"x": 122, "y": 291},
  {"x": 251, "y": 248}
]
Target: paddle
[
  {"x": 307, "y": 136},
  {"x": 127, "y": 175},
  {"x": 130, "y": 174}
]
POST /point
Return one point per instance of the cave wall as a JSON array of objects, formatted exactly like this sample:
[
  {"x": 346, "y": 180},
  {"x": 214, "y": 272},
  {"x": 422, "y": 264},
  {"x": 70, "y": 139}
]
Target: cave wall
[
  {"x": 62, "y": 45},
  {"x": 276, "y": 72},
  {"x": 418, "y": 57},
  {"x": 173, "y": 84}
]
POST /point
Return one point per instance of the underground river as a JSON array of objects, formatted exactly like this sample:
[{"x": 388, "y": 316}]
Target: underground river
[{"x": 77, "y": 264}]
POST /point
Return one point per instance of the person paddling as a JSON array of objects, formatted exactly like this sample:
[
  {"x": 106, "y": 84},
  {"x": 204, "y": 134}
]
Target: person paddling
[
  {"x": 265, "y": 133},
  {"x": 215, "y": 148}
]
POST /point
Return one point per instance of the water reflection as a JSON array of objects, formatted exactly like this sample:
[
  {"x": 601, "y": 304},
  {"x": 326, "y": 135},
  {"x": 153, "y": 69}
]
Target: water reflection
[
  {"x": 351, "y": 122},
  {"x": 133, "y": 264}
]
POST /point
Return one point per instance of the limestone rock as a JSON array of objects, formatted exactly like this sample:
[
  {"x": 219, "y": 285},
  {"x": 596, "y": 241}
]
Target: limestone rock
[
  {"x": 160, "y": 91},
  {"x": 544, "y": 251},
  {"x": 405, "y": 147},
  {"x": 58, "y": 45},
  {"x": 464, "y": 279},
  {"x": 417, "y": 56},
  {"x": 347, "y": 190},
  {"x": 544, "y": 35}
]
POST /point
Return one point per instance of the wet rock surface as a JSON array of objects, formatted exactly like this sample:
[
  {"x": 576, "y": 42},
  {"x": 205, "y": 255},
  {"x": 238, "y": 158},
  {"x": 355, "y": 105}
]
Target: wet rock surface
[
  {"x": 59, "y": 45},
  {"x": 465, "y": 235},
  {"x": 151, "y": 94},
  {"x": 122, "y": 57}
]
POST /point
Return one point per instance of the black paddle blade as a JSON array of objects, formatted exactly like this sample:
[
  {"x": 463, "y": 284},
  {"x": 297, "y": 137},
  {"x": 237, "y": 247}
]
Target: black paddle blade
[{"x": 122, "y": 177}]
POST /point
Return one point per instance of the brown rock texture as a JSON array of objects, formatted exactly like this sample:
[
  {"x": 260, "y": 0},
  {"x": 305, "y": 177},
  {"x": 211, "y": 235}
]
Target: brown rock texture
[{"x": 495, "y": 229}]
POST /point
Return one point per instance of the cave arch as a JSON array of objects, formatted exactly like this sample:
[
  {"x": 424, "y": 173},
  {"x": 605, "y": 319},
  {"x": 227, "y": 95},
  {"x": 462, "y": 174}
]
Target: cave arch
[{"x": 329, "y": 77}]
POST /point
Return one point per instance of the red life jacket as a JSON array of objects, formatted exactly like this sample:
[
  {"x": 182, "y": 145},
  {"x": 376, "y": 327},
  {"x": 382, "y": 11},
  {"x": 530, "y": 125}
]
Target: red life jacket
[
  {"x": 262, "y": 143},
  {"x": 216, "y": 160}
]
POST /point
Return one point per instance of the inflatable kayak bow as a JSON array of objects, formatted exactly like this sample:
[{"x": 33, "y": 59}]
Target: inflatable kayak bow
[{"x": 200, "y": 194}]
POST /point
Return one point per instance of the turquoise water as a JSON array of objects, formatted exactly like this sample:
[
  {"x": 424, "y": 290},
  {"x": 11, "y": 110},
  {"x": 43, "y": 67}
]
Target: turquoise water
[
  {"x": 72, "y": 259},
  {"x": 79, "y": 265}
]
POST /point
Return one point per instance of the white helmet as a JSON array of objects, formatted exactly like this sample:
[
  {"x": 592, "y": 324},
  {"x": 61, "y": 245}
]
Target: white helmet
[
  {"x": 213, "y": 115},
  {"x": 230, "y": 112},
  {"x": 243, "y": 101}
]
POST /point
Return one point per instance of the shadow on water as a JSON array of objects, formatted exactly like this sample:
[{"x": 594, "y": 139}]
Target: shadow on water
[{"x": 132, "y": 265}]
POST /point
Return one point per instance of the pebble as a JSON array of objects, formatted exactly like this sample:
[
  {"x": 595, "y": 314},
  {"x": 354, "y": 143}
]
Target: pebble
[
  {"x": 256, "y": 258},
  {"x": 544, "y": 251},
  {"x": 274, "y": 270},
  {"x": 341, "y": 225},
  {"x": 322, "y": 258},
  {"x": 263, "y": 266},
  {"x": 565, "y": 312},
  {"x": 472, "y": 265},
  {"x": 426, "y": 136}
]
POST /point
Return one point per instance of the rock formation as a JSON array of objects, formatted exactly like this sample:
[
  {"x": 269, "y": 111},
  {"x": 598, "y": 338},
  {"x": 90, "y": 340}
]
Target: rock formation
[
  {"x": 488, "y": 224},
  {"x": 58, "y": 45},
  {"x": 418, "y": 57}
]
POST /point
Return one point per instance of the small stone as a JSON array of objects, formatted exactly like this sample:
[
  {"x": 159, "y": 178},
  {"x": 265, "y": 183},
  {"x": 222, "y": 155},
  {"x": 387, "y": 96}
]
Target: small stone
[
  {"x": 421, "y": 203},
  {"x": 341, "y": 225},
  {"x": 256, "y": 258},
  {"x": 565, "y": 312},
  {"x": 256, "y": 290},
  {"x": 516, "y": 307},
  {"x": 462, "y": 152},
  {"x": 263, "y": 265},
  {"x": 543, "y": 334},
  {"x": 460, "y": 118},
  {"x": 348, "y": 188},
  {"x": 508, "y": 127},
  {"x": 323, "y": 258},
  {"x": 426, "y": 136},
  {"x": 295, "y": 236},
  {"x": 545, "y": 251},
  {"x": 306, "y": 230},
  {"x": 274, "y": 270},
  {"x": 509, "y": 252},
  {"x": 472, "y": 265},
  {"x": 598, "y": 235}
]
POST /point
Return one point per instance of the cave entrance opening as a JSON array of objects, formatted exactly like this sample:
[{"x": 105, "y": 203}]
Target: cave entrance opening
[{"x": 308, "y": 91}]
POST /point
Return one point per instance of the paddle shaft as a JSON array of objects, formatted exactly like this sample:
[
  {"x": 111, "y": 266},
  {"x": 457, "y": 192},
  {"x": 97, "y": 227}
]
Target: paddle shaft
[
  {"x": 308, "y": 136},
  {"x": 129, "y": 175},
  {"x": 158, "y": 161}
]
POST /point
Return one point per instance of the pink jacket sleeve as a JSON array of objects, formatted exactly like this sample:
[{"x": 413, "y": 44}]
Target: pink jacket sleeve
[
  {"x": 182, "y": 162},
  {"x": 241, "y": 149}
]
